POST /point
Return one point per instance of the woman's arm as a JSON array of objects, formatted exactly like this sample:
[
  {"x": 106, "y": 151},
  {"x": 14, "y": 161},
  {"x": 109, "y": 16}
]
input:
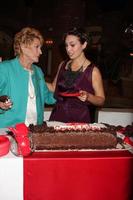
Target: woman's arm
[
  {"x": 51, "y": 86},
  {"x": 99, "y": 97}
]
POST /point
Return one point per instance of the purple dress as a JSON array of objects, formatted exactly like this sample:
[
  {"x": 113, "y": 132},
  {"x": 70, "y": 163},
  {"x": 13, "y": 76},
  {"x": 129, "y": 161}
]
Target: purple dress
[{"x": 71, "y": 109}]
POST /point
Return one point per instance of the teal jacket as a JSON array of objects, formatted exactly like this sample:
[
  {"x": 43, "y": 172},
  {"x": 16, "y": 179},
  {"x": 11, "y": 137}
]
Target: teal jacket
[{"x": 14, "y": 81}]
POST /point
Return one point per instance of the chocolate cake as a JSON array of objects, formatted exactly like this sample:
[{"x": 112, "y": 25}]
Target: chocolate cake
[
  {"x": 4, "y": 98},
  {"x": 48, "y": 138}
]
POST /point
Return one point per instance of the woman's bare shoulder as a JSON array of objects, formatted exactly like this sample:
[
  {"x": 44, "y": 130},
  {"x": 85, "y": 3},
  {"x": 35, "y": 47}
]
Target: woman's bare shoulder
[{"x": 96, "y": 70}]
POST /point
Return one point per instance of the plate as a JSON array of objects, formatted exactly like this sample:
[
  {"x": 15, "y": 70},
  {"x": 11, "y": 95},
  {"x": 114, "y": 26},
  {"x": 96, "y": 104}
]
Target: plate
[
  {"x": 83, "y": 150},
  {"x": 69, "y": 94},
  {"x": 55, "y": 123},
  {"x": 4, "y": 131}
]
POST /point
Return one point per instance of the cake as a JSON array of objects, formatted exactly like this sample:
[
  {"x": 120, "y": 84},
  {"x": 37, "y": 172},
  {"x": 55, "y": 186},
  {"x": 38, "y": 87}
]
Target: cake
[
  {"x": 55, "y": 138},
  {"x": 4, "y": 98}
]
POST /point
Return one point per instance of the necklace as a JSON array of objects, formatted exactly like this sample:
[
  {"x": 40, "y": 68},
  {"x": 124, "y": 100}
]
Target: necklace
[
  {"x": 71, "y": 76},
  {"x": 31, "y": 88},
  {"x": 84, "y": 62},
  {"x": 80, "y": 69}
]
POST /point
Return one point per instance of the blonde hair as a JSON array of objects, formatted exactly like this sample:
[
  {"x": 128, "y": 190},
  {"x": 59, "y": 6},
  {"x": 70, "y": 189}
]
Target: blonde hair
[{"x": 26, "y": 36}]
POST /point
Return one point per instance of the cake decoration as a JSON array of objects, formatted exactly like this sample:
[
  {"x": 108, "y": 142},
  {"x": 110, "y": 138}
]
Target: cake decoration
[
  {"x": 126, "y": 134},
  {"x": 21, "y": 146}
]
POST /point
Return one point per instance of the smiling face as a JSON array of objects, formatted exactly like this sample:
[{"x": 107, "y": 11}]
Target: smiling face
[
  {"x": 74, "y": 48},
  {"x": 32, "y": 51}
]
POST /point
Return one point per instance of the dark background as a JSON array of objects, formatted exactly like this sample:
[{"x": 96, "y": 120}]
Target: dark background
[
  {"x": 104, "y": 20},
  {"x": 54, "y": 17}
]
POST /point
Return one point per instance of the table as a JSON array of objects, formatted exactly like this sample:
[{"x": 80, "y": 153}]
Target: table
[
  {"x": 115, "y": 116},
  {"x": 112, "y": 116},
  {"x": 11, "y": 177},
  {"x": 88, "y": 175}
]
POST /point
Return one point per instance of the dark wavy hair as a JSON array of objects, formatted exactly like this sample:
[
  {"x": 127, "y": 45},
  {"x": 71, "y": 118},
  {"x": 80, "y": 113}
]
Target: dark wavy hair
[{"x": 79, "y": 32}]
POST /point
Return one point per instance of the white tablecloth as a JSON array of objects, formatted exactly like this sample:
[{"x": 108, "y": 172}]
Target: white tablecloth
[{"x": 11, "y": 177}]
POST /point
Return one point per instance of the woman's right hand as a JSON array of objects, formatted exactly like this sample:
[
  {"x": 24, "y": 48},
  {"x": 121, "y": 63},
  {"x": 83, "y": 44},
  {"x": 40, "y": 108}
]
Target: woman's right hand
[{"x": 6, "y": 105}]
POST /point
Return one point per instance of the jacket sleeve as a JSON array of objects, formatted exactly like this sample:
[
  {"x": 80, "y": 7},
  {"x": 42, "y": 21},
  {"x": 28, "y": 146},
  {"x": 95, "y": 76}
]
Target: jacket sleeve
[
  {"x": 3, "y": 82},
  {"x": 47, "y": 95},
  {"x": 3, "y": 79}
]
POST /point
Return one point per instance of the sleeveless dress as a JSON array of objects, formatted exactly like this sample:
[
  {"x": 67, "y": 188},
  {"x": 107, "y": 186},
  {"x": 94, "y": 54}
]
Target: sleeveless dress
[{"x": 71, "y": 109}]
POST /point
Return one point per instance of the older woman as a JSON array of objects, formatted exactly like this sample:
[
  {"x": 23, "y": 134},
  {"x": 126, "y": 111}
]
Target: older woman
[
  {"x": 78, "y": 84},
  {"x": 23, "y": 82}
]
